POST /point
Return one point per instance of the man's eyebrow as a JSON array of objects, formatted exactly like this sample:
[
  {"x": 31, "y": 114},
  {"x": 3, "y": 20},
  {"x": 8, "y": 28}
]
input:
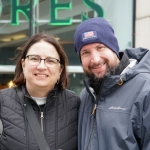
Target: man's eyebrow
[
  {"x": 85, "y": 49},
  {"x": 100, "y": 44}
]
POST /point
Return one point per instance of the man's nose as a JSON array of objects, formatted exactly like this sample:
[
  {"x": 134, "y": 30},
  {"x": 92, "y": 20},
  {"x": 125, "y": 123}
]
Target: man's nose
[{"x": 95, "y": 57}]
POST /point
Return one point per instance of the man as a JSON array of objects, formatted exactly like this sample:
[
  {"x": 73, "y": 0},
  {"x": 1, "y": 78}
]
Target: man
[{"x": 115, "y": 109}]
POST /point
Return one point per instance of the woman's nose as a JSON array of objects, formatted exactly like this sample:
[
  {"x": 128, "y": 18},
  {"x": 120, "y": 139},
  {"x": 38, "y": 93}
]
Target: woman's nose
[{"x": 42, "y": 64}]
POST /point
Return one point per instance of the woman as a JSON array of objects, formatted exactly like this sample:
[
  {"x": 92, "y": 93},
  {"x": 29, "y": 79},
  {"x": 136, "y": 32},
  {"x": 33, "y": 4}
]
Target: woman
[{"x": 42, "y": 76}]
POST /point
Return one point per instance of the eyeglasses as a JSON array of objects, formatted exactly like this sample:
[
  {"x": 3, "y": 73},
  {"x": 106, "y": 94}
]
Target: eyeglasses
[{"x": 35, "y": 60}]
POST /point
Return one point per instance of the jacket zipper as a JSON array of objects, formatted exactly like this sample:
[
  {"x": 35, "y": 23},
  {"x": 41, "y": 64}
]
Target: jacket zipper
[
  {"x": 94, "y": 109},
  {"x": 94, "y": 119},
  {"x": 42, "y": 117},
  {"x": 94, "y": 112},
  {"x": 91, "y": 135},
  {"x": 95, "y": 100}
]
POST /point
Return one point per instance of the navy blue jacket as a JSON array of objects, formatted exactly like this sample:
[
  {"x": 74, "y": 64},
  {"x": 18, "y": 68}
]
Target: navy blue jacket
[{"x": 121, "y": 120}]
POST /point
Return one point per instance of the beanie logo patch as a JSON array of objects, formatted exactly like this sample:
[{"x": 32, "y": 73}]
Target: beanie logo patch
[{"x": 89, "y": 35}]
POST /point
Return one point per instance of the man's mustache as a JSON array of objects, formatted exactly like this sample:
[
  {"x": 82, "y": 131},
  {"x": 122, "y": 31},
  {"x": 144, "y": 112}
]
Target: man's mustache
[{"x": 95, "y": 65}]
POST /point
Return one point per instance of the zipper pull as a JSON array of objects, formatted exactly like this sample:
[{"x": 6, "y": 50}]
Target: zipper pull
[
  {"x": 42, "y": 117},
  {"x": 95, "y": 106}
]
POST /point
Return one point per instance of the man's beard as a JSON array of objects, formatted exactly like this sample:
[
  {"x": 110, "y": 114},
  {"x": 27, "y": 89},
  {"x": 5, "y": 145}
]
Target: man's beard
[{"x": 109, "y": 71}]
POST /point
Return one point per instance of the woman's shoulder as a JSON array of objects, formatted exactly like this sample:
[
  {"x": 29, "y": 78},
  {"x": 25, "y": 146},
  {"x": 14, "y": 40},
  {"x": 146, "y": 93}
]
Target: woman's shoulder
[
  {"x": 70, "y": 96},
  {"x": 7, "y": 94},
  {"x": 66, "y": 93},
  {"x": 7, "y": 90}
]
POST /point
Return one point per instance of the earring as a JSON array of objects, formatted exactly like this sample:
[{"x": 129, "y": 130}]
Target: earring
[{"x": 57, "y": 81}]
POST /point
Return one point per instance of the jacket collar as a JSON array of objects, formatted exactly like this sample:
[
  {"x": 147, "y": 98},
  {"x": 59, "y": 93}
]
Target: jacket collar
[
  {"x": 111, "y": 83},
  {"x": 51, "y": 97}
]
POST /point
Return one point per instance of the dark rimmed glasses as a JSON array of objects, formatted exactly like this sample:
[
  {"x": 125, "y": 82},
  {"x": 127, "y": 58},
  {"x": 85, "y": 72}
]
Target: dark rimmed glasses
[{"x": 35, "y": 60}]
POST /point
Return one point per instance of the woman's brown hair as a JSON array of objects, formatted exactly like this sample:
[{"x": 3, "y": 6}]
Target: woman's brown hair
[{"x": 22, "y": 52}]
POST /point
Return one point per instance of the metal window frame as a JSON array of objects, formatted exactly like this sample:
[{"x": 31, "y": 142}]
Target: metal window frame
[{"x": 10, "y": 69}]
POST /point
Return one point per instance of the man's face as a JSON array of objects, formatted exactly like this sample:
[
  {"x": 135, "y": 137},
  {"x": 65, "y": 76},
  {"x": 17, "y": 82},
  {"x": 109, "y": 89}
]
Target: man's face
[{"x": 98, "y": 60}]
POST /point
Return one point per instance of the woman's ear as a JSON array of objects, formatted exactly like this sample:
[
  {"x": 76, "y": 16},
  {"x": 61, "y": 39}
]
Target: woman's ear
[
  {"x": 61, "y": 69},
  {"x": 23, "y": 63}
]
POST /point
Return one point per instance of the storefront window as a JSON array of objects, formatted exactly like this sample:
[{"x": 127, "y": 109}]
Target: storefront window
[{"x": 60, "y": 20}]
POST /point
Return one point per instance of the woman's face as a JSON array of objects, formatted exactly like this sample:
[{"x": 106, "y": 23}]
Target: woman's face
[{"x": 40, "y": 75}]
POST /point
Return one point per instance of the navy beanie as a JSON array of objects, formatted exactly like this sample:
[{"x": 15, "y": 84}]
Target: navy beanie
[{"x": 95, "y": 30}]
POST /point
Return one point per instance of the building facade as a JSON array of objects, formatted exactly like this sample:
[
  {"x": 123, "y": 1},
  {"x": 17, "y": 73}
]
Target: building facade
[
  {"x": 20, "y": 19},
  {"x": 142, "y": 24}
]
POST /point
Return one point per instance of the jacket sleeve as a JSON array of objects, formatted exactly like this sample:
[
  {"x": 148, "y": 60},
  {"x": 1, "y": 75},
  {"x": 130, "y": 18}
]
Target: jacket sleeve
[
  {"x": 1, "y": 127},
  {"x": 0, "y": 104},
  {"x": 145, "y": 121},
  {"x": 78, "y": 102}
]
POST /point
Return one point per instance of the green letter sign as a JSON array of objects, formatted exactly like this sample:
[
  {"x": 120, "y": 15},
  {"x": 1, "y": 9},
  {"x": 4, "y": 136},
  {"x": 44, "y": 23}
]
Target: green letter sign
[
  {"x": 16, "y": 8},
  {"x": 96, "y": 7},
  {"x": 54, "y": 7}
]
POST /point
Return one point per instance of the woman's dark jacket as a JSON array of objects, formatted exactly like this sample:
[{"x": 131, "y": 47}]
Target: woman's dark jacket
[{"x": 59, "y": 122}]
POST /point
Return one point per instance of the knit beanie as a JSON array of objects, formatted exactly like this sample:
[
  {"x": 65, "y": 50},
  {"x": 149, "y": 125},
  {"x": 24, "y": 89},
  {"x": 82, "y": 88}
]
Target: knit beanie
[{"x": 95, "y": 30}]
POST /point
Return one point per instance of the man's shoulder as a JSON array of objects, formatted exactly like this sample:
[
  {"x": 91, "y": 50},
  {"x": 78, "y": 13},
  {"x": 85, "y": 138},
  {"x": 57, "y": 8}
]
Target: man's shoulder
[
  {"x": 84, "y": 94},
  {"x": 83, "y": 91}
]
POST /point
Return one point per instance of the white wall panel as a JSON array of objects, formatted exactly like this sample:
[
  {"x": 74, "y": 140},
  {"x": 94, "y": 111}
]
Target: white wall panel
[
  {"x": 142, "y": 27},
  {"x": 143, "y": 8},
  {"x": 143, "y": 33}
]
